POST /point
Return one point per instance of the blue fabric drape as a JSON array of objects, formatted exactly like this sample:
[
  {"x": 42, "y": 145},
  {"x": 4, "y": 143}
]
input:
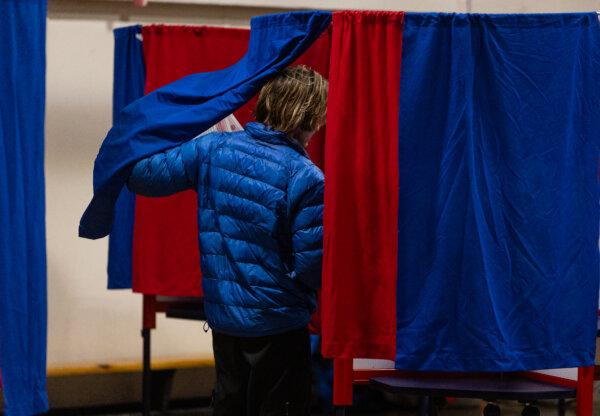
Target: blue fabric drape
[
  {"x": 129, "y": 79},
  {"x": 498, "y": 202},
  {"x": 22, "y": 216},
  {"x": 185, "y": 108}
]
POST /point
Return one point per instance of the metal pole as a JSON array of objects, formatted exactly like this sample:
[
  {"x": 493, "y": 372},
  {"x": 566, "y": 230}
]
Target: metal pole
[
  {"x": 562, "y": 408},
  {"x": 147, "y": 375}
]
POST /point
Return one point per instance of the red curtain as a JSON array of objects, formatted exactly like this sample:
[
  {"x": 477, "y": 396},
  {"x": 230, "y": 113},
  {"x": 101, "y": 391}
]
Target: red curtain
[
  {"x": 166, "y": 259},
  {"x": 317, "y": 57},
  {"x": 361, "y": 186}
]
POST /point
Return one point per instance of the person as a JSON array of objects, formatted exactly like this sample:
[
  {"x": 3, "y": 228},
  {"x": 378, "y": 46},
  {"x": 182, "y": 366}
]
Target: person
[{"x": 260, "y": 205}]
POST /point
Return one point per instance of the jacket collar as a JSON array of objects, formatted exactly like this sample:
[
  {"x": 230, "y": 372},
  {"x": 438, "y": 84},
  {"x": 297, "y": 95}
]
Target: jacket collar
[{"x": 264, "y": 133}]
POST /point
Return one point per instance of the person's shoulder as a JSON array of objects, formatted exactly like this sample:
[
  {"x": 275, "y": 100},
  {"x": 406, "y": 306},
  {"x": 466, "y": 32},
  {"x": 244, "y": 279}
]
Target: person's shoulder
[
  {"x": 305, "y": 167},
  {"x": 215, "y": 138},
  {"x": 220, "y": 136}
]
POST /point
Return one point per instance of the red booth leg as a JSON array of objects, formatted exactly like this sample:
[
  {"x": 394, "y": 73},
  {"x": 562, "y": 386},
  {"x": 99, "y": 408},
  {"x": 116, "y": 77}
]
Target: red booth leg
[
  {"x": 148, "y": 324},
  {"x": 342, "y": 382},
  {"x": 149, "y": 312},
  {"x": 585, "y": 391}
]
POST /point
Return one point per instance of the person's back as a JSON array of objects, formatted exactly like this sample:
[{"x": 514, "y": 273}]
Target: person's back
[
  {"x": 260, "y": 202},
  {"x": 259, "y": 220}
]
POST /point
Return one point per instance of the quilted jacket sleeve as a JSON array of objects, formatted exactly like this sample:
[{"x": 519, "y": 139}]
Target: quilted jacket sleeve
[
  {"x": 167, "y": 173},
  {"x": 305, "y": 196}
]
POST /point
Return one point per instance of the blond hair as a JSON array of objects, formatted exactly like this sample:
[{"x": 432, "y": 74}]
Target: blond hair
[{"x": 294, "y": 100}]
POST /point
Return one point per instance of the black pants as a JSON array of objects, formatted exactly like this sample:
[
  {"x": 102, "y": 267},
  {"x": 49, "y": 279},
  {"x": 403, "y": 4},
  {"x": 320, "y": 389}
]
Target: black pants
[{"x": 262, "y": 376}]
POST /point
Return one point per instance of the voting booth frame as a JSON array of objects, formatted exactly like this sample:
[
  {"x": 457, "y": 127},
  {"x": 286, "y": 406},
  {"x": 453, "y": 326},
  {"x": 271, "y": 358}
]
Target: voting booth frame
[
  {"x": 345, "y": 377},
  {"x": 523, "y": 386}
]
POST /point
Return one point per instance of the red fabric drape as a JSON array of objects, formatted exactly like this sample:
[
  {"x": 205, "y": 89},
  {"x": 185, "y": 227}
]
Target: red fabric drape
[
  {"x": 166, "y": 259},
  {"x": 317, "y": 57},
  {"x": 361, "y": 186}
]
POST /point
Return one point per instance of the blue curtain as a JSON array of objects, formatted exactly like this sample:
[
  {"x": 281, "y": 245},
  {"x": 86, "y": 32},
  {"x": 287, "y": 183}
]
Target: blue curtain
[
  {"x": 185, "y": 108},
  {"x": 498, "y": 207},
  {"x": 128, "y": 86},
  {"x": 22, "y": 211}
]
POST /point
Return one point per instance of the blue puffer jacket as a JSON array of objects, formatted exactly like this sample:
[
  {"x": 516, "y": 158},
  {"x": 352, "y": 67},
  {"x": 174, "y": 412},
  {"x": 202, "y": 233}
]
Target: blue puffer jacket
[{"x": 260, "y": 205}]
